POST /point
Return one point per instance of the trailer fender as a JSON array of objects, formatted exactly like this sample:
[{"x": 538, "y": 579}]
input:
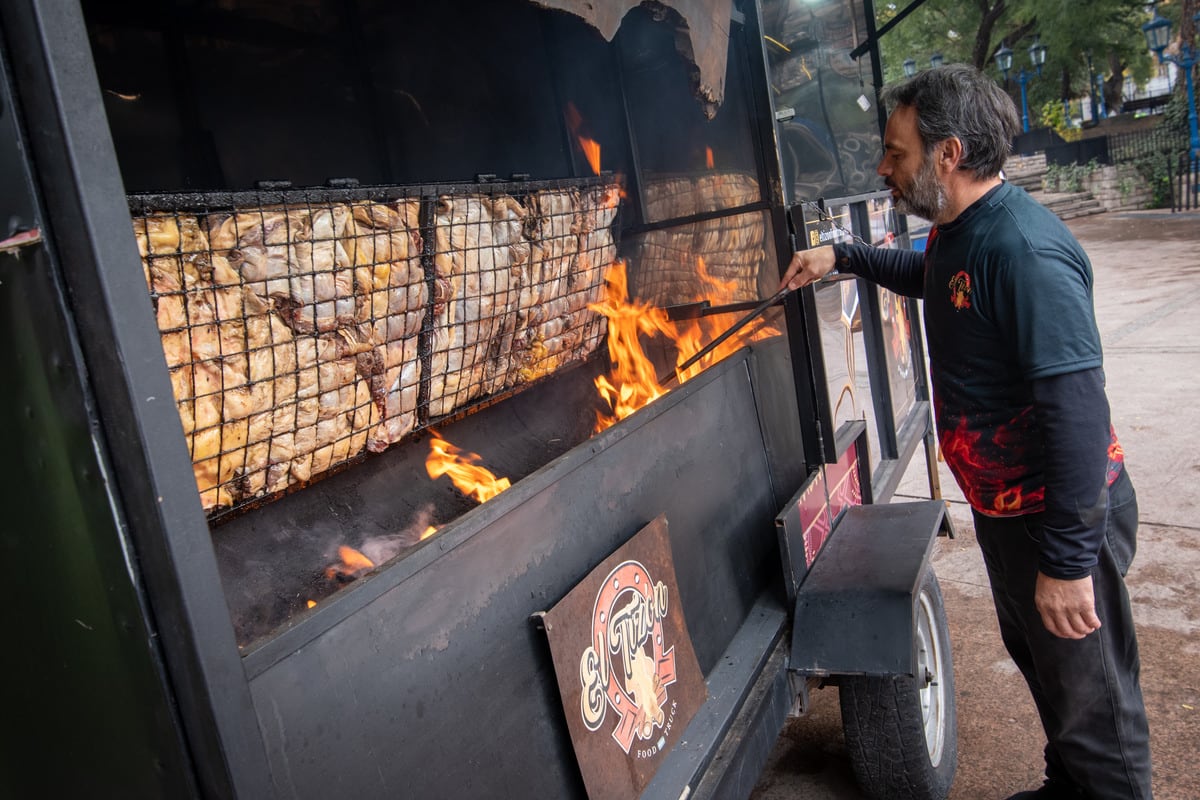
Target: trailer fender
[{"x": 856, "y": 608}]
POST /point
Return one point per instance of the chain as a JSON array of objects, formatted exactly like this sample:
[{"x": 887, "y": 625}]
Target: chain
[{"x": 827, "y": 217}]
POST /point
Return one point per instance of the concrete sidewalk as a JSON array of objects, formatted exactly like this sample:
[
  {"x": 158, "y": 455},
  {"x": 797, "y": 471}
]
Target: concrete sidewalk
[{"x": 1147, "y": 267}]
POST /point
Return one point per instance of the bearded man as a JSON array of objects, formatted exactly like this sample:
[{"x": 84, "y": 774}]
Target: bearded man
[{"x": 1022, "y": 416}]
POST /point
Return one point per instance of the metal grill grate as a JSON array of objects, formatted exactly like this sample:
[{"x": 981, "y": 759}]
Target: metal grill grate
[
  {"x": 719, "y": 258},
  {"x": 304, "y": 327}
]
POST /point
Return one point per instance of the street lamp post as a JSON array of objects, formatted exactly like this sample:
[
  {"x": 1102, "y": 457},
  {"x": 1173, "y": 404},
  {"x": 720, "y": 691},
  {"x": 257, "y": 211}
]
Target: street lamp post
[
  {"x": 910, "y": 66},
  {"x": 1037, "y": 57},
  {"x": 1158, "y": 35}
]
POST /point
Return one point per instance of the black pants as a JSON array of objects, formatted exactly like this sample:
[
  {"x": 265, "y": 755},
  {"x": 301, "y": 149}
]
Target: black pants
[{"x": 1086, "y": 690}]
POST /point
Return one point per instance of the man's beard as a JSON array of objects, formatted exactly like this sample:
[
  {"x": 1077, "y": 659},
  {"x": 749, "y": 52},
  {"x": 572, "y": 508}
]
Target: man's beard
[{"x": 924, "y": 197}]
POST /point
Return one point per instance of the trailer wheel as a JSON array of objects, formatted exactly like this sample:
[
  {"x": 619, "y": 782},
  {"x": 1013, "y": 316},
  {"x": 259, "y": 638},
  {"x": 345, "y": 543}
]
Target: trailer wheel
[{"x": 901, "y": 732}]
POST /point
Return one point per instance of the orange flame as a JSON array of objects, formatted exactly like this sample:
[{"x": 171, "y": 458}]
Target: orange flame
[
  {"x": 589, "y": 146},
  {"x": 691, "y": 338},
  {"x": 633, "y": 381},
  {"x": 312, "y": 603},
  {"x": 430, "y": 531},
  {"x": 352, "y": 562},
  {"x": 708, "y": 157},
  {"x": 462, "y": 467},
  {"x": 591, "y": 151}
]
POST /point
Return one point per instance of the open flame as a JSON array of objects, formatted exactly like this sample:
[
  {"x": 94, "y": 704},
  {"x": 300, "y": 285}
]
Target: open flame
[
  {"x": 708, "y": 157},
  {"x": 464, "y": 471},
  {"x": 633, "y": 381},
  {"x": 590, "y": 147},
  {"x": 351, "y": 564}
]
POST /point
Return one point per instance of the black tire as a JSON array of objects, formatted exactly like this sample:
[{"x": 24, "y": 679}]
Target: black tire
[{"x": 901, "y": 733}]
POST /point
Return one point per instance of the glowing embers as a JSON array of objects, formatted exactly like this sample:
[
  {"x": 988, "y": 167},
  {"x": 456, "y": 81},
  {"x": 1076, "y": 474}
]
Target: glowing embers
[{"x": 351, "y": 564}]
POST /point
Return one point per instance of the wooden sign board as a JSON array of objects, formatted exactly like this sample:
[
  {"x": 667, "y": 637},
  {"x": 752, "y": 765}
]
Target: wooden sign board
[{"x": 627, "y": 672}]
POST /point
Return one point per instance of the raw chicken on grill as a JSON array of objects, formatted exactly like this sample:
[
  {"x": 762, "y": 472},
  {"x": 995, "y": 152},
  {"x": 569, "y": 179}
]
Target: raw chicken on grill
[
  {"x": 572, "y": 250},
  {"x": 295, "y": 260},
  {"x": 295, "y": 257},
  {"x": 597, "y": 252}
]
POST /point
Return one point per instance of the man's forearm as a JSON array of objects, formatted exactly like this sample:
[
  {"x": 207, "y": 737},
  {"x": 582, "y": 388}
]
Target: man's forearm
[{"x": 901, "y": 271}]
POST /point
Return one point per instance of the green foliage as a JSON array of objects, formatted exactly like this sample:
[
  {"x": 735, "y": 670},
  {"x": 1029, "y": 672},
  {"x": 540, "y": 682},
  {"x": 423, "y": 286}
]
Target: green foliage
[
  {"x": 1175, "y": 115},
  {"x": 1108, "y": 30},
  {"x": 1156, "y": 167},
  {"x": 1068, "y": 177},
  {"x": 1125, "y": 187},
  {"x": 1153, "y": 169},
  {"x": 1054, "y": 116}
]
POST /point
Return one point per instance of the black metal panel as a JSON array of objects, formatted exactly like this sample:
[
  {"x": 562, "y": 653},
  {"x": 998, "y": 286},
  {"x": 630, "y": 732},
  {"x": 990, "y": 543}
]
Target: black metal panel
[
  {"x": 82, "y": 674},
  {"x": 90, "y": 243},
  {"x": 855, "y": 611},
  {"x": 737, "y": 770},
  {"x": 82, "y": 678},
  {"x": 751, "y": 696},
  {"x": 355, "y": 710},
  {"x": 783, "y": 426}
]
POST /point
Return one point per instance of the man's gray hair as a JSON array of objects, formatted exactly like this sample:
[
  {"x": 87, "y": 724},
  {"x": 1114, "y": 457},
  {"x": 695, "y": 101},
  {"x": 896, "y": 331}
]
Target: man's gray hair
[{"x": 958, "y": 100}]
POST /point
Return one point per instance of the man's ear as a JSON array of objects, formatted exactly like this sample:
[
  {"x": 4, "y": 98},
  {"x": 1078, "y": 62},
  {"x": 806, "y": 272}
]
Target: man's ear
[{"x": 948, "y": 153}]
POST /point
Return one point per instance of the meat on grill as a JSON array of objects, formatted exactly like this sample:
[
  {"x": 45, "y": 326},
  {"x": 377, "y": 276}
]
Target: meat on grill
[
  {"x": 733, "y": 247},
  {"x": 478, "y": 255},
  {"x": 293, "y": 334}
]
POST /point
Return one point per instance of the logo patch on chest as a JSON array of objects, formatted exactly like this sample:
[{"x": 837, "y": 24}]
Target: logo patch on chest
[{"x": 960, "y": 290}]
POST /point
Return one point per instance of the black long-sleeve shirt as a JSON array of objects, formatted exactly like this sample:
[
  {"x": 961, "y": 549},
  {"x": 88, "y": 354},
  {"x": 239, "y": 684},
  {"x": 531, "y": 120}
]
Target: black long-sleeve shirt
[{"x": 1015, "y": 358}]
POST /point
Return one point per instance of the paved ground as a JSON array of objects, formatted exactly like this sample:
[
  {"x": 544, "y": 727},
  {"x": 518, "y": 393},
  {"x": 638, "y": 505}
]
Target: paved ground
[{"x": 1147, "y": 266}]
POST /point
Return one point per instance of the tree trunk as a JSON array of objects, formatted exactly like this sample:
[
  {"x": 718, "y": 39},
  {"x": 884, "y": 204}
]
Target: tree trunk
[
  {"x": 1114, "y": 85},
  {"x": 981, "y": 53}
]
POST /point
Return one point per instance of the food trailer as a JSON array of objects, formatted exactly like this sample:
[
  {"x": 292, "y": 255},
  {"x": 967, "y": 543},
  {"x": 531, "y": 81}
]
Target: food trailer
[{"x": 342, "y": 390}]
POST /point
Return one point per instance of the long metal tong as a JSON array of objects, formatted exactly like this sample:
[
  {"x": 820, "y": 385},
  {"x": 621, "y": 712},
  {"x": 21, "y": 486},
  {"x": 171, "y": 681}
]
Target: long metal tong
[
  {"x": 741, "y": 323},
  {"x": 730, "y": 331}
]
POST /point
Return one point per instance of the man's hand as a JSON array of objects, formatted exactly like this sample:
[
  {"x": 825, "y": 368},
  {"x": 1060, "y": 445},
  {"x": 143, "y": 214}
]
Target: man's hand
[
  {"x": 808, "y": 266},
  {"x": 1068, "y": 608}
]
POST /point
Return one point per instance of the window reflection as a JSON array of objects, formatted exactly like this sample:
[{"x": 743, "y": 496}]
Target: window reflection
[{"x": 830, "y": 143}]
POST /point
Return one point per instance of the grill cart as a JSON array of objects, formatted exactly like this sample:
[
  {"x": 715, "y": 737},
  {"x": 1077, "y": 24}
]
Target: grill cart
[{"x": 339, "y": 352}]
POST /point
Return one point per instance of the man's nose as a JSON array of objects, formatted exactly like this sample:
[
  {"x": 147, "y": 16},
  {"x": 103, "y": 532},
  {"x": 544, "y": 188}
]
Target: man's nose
[{"x": 882, "y": 170}]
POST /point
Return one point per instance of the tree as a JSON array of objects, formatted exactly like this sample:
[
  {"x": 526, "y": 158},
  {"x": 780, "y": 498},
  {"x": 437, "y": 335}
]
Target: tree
[{"x": 972, "y": 31}]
